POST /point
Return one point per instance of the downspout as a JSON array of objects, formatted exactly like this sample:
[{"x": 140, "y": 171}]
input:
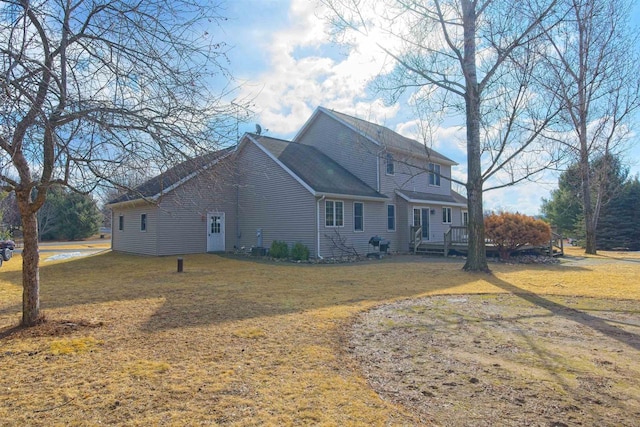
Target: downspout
[
  {"x": 236, "y": 181},
  {"x": 318, "y": 226},
  {"x": 113, "y": 215},
  {"x": 238, "y": 236},
  {"x": 378, "y": 172}
]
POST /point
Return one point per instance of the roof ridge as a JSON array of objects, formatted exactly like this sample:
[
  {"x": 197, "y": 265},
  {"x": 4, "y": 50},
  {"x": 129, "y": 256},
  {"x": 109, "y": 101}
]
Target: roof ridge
[{"x": 348, "y": 120}]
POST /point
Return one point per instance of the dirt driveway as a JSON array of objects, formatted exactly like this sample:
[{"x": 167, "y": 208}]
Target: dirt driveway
[{"x": 506, "y": 359}]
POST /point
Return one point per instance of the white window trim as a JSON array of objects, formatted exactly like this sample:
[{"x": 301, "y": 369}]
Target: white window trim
[
  {"x": 395, "y": 216},
  {"x": 437, "y": 175},
  {"x": 449, "y": 216},
  {"x": 334, "y": 213},
  {"x": 388, "y": 158},
  {"x": 145, "y": 222},
  {"x": 354, "y": 217}
]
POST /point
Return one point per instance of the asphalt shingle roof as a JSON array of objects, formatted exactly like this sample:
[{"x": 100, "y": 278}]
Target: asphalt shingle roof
[
  {"x": 416, "y": 195},
  {"x": 157, "y": 185},
  {"x": 316, "y": 169}
]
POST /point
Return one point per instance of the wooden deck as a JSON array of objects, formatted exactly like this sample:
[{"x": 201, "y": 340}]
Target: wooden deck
[{"x": 456, "y": 242}]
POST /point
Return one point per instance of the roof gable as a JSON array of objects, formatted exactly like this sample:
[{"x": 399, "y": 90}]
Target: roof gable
[
  {"x": 155, "y": 187},
  {"x": 380, "y": 136}
]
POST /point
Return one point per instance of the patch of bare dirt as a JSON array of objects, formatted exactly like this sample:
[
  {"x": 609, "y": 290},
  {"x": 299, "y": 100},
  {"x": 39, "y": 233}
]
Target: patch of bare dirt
[
  {"x": 50, "y": 328},
  {"x": 510, "y": 360}
]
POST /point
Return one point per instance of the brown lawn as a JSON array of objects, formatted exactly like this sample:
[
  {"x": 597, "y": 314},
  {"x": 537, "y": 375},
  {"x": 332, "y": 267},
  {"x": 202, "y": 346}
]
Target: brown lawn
[{"x": 128, "y": 341}]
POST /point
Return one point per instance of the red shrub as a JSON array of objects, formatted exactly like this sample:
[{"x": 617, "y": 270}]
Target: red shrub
[{"x": 510, "y": 231}]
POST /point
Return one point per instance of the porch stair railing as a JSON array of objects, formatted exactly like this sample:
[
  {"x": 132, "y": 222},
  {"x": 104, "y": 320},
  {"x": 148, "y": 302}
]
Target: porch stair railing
[{"x": 416, "y": 237}]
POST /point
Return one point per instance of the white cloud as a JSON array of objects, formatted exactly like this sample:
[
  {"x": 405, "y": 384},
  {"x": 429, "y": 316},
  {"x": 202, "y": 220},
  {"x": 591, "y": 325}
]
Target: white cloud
[{"x": 305, "y": 71}]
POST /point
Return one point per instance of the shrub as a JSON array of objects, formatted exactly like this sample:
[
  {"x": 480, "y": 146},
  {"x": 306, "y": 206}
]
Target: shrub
[
  {"x": 300, "y": 252},
  {"x": 510, "y": 231},
  {"x": 279, "y": 249}
]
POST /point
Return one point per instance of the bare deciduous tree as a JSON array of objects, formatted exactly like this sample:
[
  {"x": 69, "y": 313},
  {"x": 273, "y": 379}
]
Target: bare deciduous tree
[
  {"x": 90, "y": 89},
  {"x": 472, "y": 58},
  {"x": 593, "y": 64}
]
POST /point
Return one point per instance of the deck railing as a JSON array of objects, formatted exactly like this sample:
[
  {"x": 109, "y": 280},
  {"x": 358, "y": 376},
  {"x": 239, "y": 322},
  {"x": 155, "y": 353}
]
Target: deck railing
[
  {"x": 557, "y": 241},
  {"x": 455, "y": 235}
]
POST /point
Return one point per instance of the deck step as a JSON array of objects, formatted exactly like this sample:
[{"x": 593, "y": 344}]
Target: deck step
[{"x": 430, "y": 250}]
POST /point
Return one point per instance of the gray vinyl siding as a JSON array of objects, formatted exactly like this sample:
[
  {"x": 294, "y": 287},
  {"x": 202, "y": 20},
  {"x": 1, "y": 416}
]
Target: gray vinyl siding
[
  {"x": 177, "y": 224},
  {"x": 375, "y": 224},
  {"x": 412, "y": 178},
  {"x": 403, "y": 224},
  {"x": 131, "y": 239},
  {"x": 437, "y": 228},
  {"x": 272, "y": 200},
  {"x": 183, "y": 212},
  {"x": 352, "y": 151}
]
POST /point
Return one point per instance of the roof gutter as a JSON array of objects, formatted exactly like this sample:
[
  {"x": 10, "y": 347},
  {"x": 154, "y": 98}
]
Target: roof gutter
[
  {"x": 353, "y": 196},
  {"x": 133, "y": 202},
  {"x": 430, "y": 202}
]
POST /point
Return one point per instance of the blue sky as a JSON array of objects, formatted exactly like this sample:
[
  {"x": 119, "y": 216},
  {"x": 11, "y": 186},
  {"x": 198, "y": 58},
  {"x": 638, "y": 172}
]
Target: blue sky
[{"x": 284, "y": 60}]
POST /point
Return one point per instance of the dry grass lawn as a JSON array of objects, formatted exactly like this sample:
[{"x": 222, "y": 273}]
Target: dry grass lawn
[{"x": 128, "y": 341}]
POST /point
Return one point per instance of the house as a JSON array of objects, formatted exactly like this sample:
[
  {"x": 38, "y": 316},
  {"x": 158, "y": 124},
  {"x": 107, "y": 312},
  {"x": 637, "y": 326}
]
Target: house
[{"x": 339, "y": 182}]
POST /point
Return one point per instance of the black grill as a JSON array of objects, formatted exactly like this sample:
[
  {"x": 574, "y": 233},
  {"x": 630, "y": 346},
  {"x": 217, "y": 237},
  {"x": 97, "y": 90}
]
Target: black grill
[{"x": 380, "y": 243}]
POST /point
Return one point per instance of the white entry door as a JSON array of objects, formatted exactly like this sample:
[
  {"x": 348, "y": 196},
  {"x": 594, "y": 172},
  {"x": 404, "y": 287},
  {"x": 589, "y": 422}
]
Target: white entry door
[
  {"x": 421, "y": 218},
  {"x": 215, "y": 232}
]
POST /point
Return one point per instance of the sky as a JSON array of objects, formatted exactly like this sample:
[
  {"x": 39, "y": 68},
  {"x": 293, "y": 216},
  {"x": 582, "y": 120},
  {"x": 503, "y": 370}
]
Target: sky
[{"x": 284, "y": 60}]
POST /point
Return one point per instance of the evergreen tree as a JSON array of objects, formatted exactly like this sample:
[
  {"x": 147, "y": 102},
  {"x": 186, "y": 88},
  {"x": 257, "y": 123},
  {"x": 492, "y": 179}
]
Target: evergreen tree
[
  {"x": 619, "y": 226},
  {"x": 67, "y": 215},
  {"x": 565, "y": 207},
  {"x": 80, "y": 217}
]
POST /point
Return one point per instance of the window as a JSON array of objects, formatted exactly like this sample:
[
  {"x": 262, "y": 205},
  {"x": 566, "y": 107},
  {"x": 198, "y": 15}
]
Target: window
[
  {"x": 465, "y": 218},
  {"x": 391, "y": 217},
  {"x": 434, "y": 174},
  {"x": 446, "y": 215},
  {"x": 358, "y": 216},
  {"x": 391, "y": 167},
  {"x": 143, "y": 222},
  {"x": 216, "y": 224},
  {"x": 121, "y": 222},
  {"x": 334, "y": 213}
]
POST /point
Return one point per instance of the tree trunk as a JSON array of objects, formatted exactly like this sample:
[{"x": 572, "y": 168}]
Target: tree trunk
[
  {"x": 30, "y": 262},
  {"x": 477, "y": 255},
  {"x": 589, "y": 219}
]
